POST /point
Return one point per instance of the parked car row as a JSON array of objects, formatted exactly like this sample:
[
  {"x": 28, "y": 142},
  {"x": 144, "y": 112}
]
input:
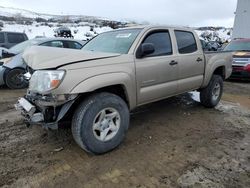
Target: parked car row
[{"x": 12, "y": 66}]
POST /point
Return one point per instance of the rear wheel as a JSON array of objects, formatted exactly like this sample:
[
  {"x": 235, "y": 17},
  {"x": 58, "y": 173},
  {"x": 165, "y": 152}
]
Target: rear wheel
[
  {"x": 100, "y": 123},
  {"x": 15, "y": 79},
  {"x": 211, "y": 95}
]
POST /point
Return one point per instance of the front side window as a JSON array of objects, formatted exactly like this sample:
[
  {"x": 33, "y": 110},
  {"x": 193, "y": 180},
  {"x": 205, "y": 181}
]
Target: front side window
[
  {"x": 1, "y": 38},
  {"x": 118, "y": 41},
  {"x": 161, "y": 41},
  {"x": 186, "y": 42},
  {"x": 15, "y": 38}
]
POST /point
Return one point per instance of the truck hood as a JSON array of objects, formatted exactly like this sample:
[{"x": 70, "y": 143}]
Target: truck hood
[
  {"x": 241, "y": 55},
  {"x": 40, "y": 57}
]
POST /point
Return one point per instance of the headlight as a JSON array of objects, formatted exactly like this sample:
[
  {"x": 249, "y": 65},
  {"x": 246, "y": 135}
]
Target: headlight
[{"x": 45, "y": 81}]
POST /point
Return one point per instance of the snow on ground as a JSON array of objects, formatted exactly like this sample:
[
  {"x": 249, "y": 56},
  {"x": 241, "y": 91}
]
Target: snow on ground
[
  {"x": 40, "y": 30},
  {"x": 37, "y": 29},
  {"x": 195, "y": 95}
]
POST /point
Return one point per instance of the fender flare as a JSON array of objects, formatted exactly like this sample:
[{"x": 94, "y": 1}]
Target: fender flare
[
  {"x": 210, "y": 71},
  {"x": 109, "y": 79}
]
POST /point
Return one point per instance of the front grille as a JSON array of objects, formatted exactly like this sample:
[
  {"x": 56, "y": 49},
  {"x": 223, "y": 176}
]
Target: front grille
[{"x": 241, "y": 61}]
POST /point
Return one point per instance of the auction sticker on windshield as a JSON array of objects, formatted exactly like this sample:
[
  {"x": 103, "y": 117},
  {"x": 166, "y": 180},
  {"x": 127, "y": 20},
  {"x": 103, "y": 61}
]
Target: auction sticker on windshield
[{"x": 123, "y": 35}]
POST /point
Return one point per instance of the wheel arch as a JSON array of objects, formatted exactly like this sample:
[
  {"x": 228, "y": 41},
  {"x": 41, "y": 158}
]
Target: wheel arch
[
  {"x": 219, "y": 70},
  {"x": 120, "y": 84}
]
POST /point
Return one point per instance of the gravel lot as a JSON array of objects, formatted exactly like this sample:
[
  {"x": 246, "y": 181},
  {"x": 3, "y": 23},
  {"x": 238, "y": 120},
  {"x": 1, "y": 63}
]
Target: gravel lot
[{"x": 171, "y": 143}]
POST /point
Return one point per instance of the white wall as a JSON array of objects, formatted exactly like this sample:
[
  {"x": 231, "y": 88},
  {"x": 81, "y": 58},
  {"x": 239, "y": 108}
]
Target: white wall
[{"x": 242, "y": 20}]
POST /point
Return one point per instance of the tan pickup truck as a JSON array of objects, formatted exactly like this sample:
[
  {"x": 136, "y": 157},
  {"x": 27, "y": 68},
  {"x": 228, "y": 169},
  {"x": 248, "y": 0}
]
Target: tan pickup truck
[{"x": 117, "y": 71}]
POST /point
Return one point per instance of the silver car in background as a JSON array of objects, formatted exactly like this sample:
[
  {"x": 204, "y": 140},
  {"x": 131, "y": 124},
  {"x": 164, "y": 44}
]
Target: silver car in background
[{"x": 13, "y": 68}]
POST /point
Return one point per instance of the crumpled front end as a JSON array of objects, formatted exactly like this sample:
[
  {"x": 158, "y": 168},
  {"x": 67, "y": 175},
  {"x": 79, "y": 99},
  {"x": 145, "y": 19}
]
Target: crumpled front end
[{"x": 44, "y": 110}]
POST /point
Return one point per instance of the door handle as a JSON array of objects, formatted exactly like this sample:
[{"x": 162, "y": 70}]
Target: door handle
[
  {"x": 199, "y": 59},
  {"x": 173, "y": 62}
]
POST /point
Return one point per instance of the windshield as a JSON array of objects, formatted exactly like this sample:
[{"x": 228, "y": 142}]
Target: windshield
[
  {"x": 118, "y": 41},
  {"x": 19, "y": 48},
  {"x": 238, "y": 46}
]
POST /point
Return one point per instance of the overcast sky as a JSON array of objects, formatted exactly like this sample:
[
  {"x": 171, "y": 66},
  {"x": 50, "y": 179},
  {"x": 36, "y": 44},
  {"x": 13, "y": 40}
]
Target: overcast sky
[{"x": 171, "y": 12}]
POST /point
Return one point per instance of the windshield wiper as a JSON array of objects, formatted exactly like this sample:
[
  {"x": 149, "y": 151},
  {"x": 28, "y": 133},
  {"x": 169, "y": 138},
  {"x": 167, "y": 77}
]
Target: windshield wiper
[{"x": 242, "y": 50}]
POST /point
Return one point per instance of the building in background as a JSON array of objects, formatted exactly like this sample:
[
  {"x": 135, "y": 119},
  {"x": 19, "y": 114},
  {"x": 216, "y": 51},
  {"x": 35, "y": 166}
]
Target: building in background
[{"x": 242, "y": 20}]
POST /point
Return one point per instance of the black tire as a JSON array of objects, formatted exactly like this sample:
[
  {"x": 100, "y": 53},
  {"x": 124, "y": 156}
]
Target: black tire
[
  {"x": 14, "y": 79},
  {"x": 207, "y": 97},
  {"x": 85, "y": 115}
]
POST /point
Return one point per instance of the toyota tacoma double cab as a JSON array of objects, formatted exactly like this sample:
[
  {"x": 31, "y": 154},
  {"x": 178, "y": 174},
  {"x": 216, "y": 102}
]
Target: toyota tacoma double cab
[{"x": 96, "y": 88}]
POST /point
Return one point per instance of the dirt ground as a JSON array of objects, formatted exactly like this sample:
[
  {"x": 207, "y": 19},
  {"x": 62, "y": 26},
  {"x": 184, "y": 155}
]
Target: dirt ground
[{"x": 172, "y": 143}]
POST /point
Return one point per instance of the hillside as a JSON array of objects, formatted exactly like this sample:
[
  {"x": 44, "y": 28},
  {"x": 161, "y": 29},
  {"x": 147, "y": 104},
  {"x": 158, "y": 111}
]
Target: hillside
[
  {"x": 82, "y": 27},
  {"x": 12, "y": 12},
  {"x": 37, "y": 24}
]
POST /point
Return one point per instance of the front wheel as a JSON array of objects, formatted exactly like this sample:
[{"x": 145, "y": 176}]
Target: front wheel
[
  {"x": 211, "y": 95},
  {"x": 15, "y": 79},
  {"x": 100, "y": 123}
]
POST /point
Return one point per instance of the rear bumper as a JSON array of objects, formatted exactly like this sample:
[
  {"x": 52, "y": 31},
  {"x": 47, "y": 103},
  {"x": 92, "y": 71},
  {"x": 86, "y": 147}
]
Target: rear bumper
[
  {"x": 240, "y": 73},
  {"x": 47, "y": 116}
]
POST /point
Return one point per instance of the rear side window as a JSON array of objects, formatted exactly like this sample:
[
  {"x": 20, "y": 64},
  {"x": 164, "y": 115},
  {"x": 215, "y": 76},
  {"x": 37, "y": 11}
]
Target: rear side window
[
  {"x": 1, "y": 38},
  {"x": 186, "y": 42},
  {"x": 57, "y": 44},
  {"x": 15, "y": 37},
  {"x": 72, "y": 44},
  {"x": 161, "y": 41}
]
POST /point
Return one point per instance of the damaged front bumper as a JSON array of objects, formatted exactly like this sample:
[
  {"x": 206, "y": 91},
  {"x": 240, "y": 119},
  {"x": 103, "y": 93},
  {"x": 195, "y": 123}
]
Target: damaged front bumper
[{"x": 46, "y": 111}]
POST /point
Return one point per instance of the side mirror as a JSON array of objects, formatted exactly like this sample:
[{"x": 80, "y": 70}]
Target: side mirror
[
  {"x": 145, "y": 49},
  {"x": 6, "y": 54}
]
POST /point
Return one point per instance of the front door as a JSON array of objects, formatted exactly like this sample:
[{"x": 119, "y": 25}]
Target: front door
[{"x": 157, "y": 73}]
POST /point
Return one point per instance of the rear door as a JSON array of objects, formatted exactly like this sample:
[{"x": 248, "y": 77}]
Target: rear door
[
  {"x": 191, "y": 63},
  {"x": 156, "y": 74}
]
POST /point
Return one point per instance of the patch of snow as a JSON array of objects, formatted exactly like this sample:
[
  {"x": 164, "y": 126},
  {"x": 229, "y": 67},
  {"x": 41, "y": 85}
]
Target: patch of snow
[
  {"x": 37, "y": 29},
  {"x": 195, "y": 95}
]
